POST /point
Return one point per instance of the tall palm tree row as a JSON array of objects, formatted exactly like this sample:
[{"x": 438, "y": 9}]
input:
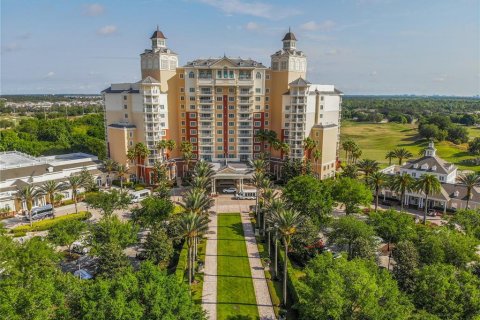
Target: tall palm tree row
[
  {"x": 471, "y": 181},
  {"x": 428, "y": 184},
  {"x": 28, "y": 194},
  {"x": 192, "y": 227},
  {"x": 139, "y": 152},
  {"x": 402, "y": 184},
  {"x": 186, "y": 148},
  {"x": 286, "y": 222},
  {"x": 50, "y": 189},
  {"x": 197, "y": 201}
]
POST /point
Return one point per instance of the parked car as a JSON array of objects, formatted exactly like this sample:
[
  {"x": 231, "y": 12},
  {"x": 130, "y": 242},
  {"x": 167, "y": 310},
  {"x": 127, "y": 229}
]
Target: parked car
[
  {"x": 229, "y": 190},
  {"x": 40, "y": 212},
  {"x": 79, "y": 248},
  {"x": 432, "y": 213}
]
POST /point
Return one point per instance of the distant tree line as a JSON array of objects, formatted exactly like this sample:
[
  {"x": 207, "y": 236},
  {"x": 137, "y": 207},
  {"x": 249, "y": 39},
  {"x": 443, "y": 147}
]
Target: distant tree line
[{"x": 52, "y": 136}]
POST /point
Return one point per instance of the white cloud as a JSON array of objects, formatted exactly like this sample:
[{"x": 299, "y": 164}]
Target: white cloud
[
  {"x": 322, "y": 26},
  {"x": 440, "y": 78},
  {"x": 252, "y": 26},
  {"x": 50, "y": 74},
  {"x": 94, "y": 9},
  {"x": 373, "y": 73},
  {"x": 251, "y": 8},
  {"x": 107, "y": 30},
  {"x": 332, "y": 52}
]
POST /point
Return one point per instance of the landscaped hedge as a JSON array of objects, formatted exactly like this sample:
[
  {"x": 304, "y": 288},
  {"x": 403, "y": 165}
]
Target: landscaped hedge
[
  {"x": 47, "y": 224},
  {"x": 182, "y": 262},
  {"x": 292, "y": 281}
]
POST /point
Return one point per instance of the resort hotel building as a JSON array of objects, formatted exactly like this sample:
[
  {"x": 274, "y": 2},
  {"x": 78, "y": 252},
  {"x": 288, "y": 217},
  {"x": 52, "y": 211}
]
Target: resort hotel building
[{"x": 219, "y": 104}]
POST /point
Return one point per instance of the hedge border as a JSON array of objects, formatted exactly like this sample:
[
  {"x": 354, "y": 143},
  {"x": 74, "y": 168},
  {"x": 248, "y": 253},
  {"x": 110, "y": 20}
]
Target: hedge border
[
  {"x": 182, "y": 262},
  {"x": 47, "y": 224}
]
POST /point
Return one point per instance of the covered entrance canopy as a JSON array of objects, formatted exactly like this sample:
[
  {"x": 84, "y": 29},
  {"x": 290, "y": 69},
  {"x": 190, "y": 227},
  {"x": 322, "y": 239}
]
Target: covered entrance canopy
[{"x": 233, "y": 173}]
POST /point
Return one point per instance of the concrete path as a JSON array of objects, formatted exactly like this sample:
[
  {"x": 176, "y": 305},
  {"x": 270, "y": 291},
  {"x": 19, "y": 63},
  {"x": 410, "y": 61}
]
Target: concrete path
[
  {"x": 209, "y": 293},
  {"x": 264, "y": 302}
]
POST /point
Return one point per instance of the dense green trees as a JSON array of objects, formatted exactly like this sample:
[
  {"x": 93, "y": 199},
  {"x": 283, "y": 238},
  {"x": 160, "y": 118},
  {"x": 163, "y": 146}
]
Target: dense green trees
[
  {"x": 355, "y": 289},
  {"x": 317, "y": 203},
  {"x": 109, "y": 201},
  {"x": 39, "y": 136},
  {"x": 393, "y": 226},
  {"x": 352, "y": 193}
]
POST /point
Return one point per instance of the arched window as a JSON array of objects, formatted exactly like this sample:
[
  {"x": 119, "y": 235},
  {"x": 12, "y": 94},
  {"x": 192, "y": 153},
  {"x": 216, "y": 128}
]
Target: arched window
[
  {"x": 191, "y": 75},
  {"x": 258, "y": 75}
]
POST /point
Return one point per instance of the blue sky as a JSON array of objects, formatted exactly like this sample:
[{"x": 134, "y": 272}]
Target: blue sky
[{"x": 361, "y": 46}]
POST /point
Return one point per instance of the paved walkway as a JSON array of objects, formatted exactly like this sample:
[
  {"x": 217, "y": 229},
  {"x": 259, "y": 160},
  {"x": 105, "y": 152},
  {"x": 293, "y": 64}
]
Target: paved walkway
[
  {"x": 264, "y": 302},
  {"x": 209, "y": 293}
]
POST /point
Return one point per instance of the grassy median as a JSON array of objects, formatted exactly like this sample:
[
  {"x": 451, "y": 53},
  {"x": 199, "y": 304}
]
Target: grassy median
[{"x": 235, "y": 293}]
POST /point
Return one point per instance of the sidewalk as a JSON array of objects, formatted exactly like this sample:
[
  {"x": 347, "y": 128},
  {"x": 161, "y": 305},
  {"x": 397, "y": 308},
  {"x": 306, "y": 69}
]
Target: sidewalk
[
  {"x": 264, "y": 302},
  {"x": 209, "y": 293}
]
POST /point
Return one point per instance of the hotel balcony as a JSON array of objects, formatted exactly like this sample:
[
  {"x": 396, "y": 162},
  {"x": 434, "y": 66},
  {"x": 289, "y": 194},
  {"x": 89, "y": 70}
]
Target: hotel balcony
[{"x": 206, "y": 134}]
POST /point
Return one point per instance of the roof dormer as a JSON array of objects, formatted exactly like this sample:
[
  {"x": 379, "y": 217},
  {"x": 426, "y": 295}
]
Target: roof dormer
[
  {"x": 456, "y": 193},
  {"x": 434, "y": 168},
  {"x": 424, "y": 166}
]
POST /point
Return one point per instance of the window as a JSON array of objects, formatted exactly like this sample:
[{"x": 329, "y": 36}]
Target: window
[
  {"x": 192, "y": 107},
  {"x": 321, "y": 98},
  {"x": 219, "y": 90},
  {"x": 126, "y": 116},
  {"x": 231, "y": 90},
  {"x": 193, "y": 131},
  {"x": 267, "y": 77},
  {"x": 183, "y": 131},
  {"x": 191, "y": 89},
  {"x": 124, "y": 97},
  {"x": 130, "y": 134},
  {"x": 162, "y": 107},
  {"x": 124, "y": 106},
  {"x": 267, "y": 91},
  {"x": 231, "y": 124},
  {"x": 321, "y": 107},
  {"x": 219, "y": 123},
  {"x": 192, "y": 115},
  {"x": 231, "y": 99},
  {"x": 266, "y": 123},
  {"x": 257, "y": 107},
  {"x": 219, "y": 99},
  {"x": 256, "y": 148},
  {"x": 258, "y": 90},
  {"x": 283, "y": 65},
  {"x": 231, "y": 148},
  {"x": 219, "y": 115},
  {"x": 219, "y": 107},
  {"x": 219, "y": 148},
  {"x": 182, "y": 89},
  {"x": 231, "y": 74},
  {"x": 183, "y": 123},
  {"x": 182, "y": 106},
  {"x": 219, "y": 131},
  {"x": 131, "y": 143},
  {"x": 231, "y": 107},
  {"x": 191, "y": 75},
  {"x": 183, "y": 114},
  {"x": 219, "y": 140},
  {"x": 182, "y": 98},
  {"x": 258, "y": 75},
  {"x": 257, "y": 116},
  {"x": 192, "y": 98},
  {"x": 266, "y": 115},
  {"x": 231, "y": 115},
  {"x": 231, "y": 131},
  {"x": 181, "y": 75},
  {"x": 257, "y": 99},
  {"x": 257, "y": 124},
  {"x": 231, "y": 140},
  {"x": 193, "y": 140},
  {"x": 267, "y": 99},
  {"x": 193, "y": 123},
  {"x": 267, "y": 107}
]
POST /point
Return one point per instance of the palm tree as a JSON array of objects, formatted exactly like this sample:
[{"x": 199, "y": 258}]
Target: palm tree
[
  {"x": 259, "y": 165},
  {"x": 262, "y": 136},
  {"x": 259, "y": 181},
  {"x": 132, "y": 157},
  {"x": 109, "y": 165},
  {"x": 192, "y": 226},
  {"x": 402, "y": 183},
  {"x": 350, "y": 171},
  {"x": 390, "y": 155},
  {"x": 50, "y": 189},
  {"x": 377, "y": 180},
  {"x": 402, "y": 153},
  {"x": 308, "y": 145},
  {"x": 428, "y": 184},
  {"x": 368, "y": 167},
  {"x": 187, "y": 157},
  {"x": 202, "y": 183},
  {"x": 276, "y": 205},
  {"x": 197, "y": 201},
  {"x": 161, "y": 146},
  {"x": 171, "y": 145},
  {"x": 471, "y": 181},
  {"x": 121, "y": 171},
  {"x": 74, "y": 182},
  {"x": 284, "y": 148},
  {"x": 28, "y": 194},
  {"x": 286, "y": 222},
  {"x": 356, "y": 153},
  {"x": 317, "y": 154},
  {"x": 142, "y": 152},
  {"x": 349, "y": 146}
]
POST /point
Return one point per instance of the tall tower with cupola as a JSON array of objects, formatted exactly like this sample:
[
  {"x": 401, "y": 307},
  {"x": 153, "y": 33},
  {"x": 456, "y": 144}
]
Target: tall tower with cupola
[
  {"x": 287, "y": 65},
  {"x": 159, "y": 62}
]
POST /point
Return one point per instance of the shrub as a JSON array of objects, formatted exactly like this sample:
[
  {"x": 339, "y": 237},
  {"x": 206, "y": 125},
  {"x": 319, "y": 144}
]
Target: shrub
[
  {"x": 182, "y": 262},
  {"x": 49, "y": 223},
  {"x": 67, "y": 202}
]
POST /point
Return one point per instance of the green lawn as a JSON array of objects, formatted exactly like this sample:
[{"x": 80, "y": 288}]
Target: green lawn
[
  {"x": 235, "y": 293},
  {"x": 376, "y": 139}
]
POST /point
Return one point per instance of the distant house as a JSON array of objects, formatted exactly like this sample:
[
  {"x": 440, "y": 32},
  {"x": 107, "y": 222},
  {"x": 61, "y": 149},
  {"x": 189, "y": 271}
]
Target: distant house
[
  {"x": 18, "y": 170},
  {"x": 452, "y": 196}
]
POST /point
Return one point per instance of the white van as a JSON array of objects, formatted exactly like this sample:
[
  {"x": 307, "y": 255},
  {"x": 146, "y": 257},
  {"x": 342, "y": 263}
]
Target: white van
[
  {"x": 250, "y": 194},
  {"x": 138, "y": 196},
  {"x": 40, "y": 212}
]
